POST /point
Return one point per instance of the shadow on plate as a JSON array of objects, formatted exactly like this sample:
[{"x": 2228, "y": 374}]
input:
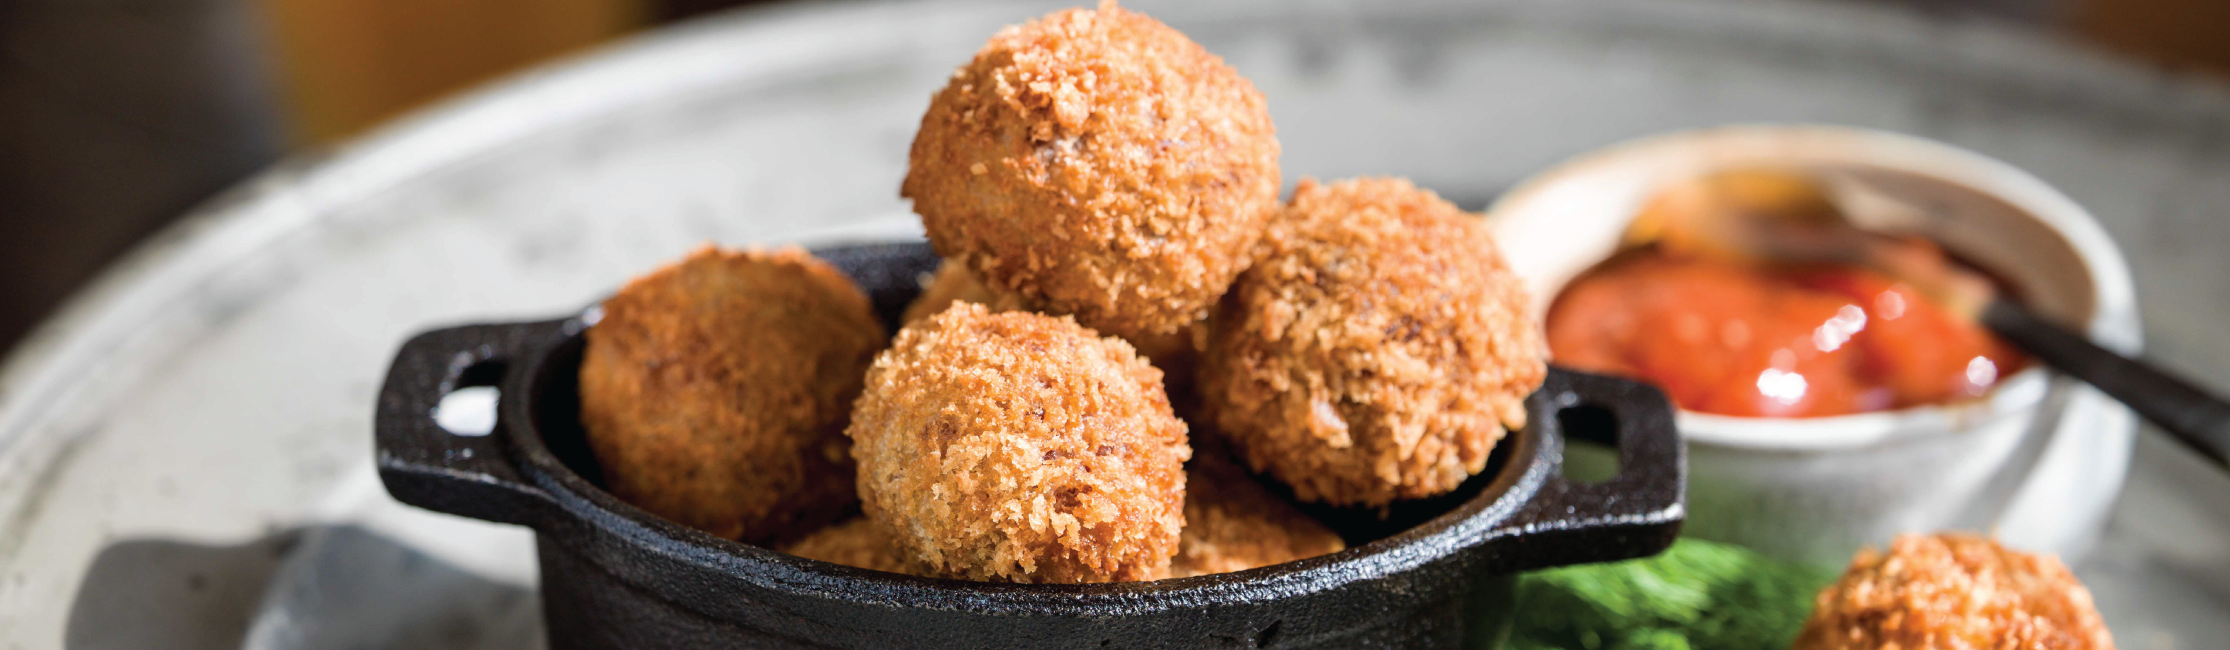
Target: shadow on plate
[{"x": 325, "y": 587}]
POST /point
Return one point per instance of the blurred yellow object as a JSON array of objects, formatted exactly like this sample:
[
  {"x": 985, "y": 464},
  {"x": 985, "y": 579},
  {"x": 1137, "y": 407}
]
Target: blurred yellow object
[
  {"x": 1713, "y": 215},
  {"x": 1759, "y": 216},
  {"x": 348, "y": 65}
]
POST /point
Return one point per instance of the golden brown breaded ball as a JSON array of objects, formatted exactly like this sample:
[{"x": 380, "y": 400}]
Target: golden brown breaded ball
[
  {"x": 1175, "y": 353},
  {"x": 715, "y": 391},
  {"x": 1233, "y": 524},
  {"x": 1954, "y": 592},
  {"x": 856, "y": 542},
  {"x": 1376, "y": 352},
  {"x": 953, "y": 283},
  {"x": 1020, "y": 447},
  {"x": 1100, "y": 164}
]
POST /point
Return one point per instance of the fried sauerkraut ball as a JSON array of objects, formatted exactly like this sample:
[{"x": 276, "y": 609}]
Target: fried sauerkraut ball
[
  {"x": 1233, "y": 524},
  {"x": 953, "y": 283},
  {"x": 1376, "y": 352},
  {"x": 1020, "y": 447},
  {"x": 714, "y": 391},
  {"x": 1101, "y": 165},
  {"x": 1174, "y": 353},
  {"x": 1954, "y": 592},
  {"x": 856, "y": 542}
]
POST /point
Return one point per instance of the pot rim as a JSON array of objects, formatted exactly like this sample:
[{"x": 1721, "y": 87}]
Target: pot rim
[
  {"x": 1474, "y": 522},
  {"x": 1524, "y": 515}
]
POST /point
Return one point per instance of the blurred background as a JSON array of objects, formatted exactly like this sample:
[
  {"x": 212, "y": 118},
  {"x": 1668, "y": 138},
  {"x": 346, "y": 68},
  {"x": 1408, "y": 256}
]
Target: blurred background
[{"x": 117, "y": 116}]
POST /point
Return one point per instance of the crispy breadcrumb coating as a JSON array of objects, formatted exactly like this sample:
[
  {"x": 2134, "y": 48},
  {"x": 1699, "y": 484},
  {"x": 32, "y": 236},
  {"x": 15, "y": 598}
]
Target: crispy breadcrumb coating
[
  {"x": 1954, "y": 592},
  {"x": 1020, "y": 447},
  {"x": 953, "y": 283},
  {"x": 715, "y": 391},
  {"x": 1176, "y": 354},
  {"x": 1233, "y": 524},
  {"x": 856, "y": 542},
  {"x": 1100, "y": 164},
  {"x": 1377, "y": 350}
]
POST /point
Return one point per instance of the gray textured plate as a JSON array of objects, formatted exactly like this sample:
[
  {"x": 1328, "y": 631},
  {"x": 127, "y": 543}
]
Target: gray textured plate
[{"x": 215, "y": 389}]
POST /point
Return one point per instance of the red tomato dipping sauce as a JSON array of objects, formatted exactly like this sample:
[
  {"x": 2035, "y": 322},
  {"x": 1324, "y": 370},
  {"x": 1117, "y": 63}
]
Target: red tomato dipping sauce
[{"x": 1750, "y": 340}]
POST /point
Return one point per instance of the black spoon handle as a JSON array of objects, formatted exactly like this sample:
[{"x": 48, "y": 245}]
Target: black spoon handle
[{"x": 2199, "y": 420}]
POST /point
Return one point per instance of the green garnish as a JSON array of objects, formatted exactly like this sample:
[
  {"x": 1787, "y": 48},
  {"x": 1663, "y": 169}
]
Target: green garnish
[{"x": 1698, "y": 595}]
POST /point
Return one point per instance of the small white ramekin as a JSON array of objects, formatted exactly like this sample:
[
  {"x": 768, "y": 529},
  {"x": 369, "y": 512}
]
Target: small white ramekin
[{"x": 2037, "y": 461}]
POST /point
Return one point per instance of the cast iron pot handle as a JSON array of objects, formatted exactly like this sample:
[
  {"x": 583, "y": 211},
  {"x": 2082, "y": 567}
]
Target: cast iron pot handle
[
  {"x": 425, "y": 465},
  {"x": 1636, "y": 513}
]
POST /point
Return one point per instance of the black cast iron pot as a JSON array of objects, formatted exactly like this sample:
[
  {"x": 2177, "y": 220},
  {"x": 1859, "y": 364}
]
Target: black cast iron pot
[{"x": 1433, "y": 573}]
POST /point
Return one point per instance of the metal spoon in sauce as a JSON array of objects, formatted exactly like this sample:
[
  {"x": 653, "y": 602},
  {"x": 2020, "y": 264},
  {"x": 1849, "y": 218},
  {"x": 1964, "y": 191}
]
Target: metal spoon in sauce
[{"x": 1775, "y": 216}]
